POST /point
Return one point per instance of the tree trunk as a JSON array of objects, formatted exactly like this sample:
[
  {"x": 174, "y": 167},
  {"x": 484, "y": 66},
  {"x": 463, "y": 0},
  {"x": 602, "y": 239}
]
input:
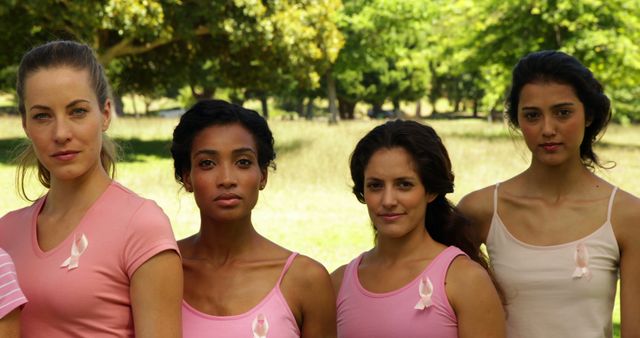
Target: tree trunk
[
  {"x": 396, "y": 108},
  {"x": 346, "y": 109},
  {"x": 475, "y": 108},
  {"x": 300, "y": 106},
  {"x": 118, "y": 105},
  {"x": 265, "y": 106},
  {"x": 419, "y": 109},
  {"x": 309, "y": 111},
  {"x": 133, "y": 104},
  {"x": 331, "y": 94}
]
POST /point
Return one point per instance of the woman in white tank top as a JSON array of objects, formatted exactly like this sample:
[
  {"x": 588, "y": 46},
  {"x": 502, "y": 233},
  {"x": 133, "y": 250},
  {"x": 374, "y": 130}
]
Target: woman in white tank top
[{"x": 558, "y": 236}]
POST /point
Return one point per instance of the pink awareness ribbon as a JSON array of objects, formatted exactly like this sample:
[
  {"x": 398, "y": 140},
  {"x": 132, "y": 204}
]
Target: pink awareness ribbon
[
  {"x": 581, "y": 257},
  {"x": 260, "y": 326},
  {"x": 425, "y": 290},
  {"x": 77, "y": 249}
]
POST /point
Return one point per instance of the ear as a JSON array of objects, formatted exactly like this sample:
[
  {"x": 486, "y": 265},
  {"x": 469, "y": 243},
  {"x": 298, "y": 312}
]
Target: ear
[
  {"x": 186, "y": 181},
  {"x": 263, "y": 180},
  {"x": 431, "y": 196},
  {"x": 106, "y": 115}
]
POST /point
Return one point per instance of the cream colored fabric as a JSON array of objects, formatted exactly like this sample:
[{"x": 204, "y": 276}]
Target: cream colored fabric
[{"x": 544, "y": 299}]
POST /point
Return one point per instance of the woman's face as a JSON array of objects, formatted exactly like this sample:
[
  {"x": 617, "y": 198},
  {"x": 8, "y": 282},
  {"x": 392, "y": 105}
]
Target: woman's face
[
  {"x": 552, "y": 120},
  {"x": 225, "y": 176},
  {"x": 64, "y": 122},
  {"x": 395, "y": 197}
]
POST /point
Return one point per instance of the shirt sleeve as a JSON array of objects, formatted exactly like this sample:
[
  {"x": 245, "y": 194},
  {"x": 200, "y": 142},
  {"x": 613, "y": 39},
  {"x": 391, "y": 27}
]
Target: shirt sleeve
[
  {"x": 148, "y": 234},
  {"x": 11, "y": 297}
]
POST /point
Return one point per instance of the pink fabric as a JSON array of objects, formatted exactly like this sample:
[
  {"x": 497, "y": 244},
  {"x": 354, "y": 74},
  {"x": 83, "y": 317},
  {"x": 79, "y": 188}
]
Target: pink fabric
[
  {"x": 394, "y": 314},
  {"x": 11, "y": 297},
  {"x": 122, "y": 230},
  {"x": 273, "y": 308}
]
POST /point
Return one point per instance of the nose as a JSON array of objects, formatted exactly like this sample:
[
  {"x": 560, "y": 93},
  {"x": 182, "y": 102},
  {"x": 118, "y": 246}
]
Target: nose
[
  {"x": 227, "y": 176},
  {"x": 62, "y": 131},
  {"x": 548, "y": 127},
  {"x": 389, "y": 199}
]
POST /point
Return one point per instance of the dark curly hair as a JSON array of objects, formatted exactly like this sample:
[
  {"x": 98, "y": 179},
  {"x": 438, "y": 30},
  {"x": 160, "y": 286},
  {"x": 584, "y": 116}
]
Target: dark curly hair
[
  {"x": 207, "y": 113},
  {"x": 556, "y": 66}
]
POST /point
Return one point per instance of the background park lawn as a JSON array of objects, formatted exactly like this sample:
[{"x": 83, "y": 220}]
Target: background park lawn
[{"x": 307, "y": 205}]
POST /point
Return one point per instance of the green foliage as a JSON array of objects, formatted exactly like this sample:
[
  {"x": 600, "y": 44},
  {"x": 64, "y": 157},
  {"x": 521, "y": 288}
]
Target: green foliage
[
  {"x": 602, "y": 34},
  {"x": 386, "y": 52}
]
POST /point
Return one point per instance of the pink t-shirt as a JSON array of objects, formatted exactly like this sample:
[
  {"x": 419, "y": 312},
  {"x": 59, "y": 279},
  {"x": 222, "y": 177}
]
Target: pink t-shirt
[
  {"x": 81, "y": 287},
  {"x": 11, "y": 296},
  {"x": 271, "y": 318},
  {"x": 418, "y": 309}
]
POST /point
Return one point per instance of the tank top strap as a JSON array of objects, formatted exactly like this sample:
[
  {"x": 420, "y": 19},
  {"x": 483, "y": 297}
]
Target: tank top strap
[
  {"x": 442, "y": 262},
  {"x": 287, "y": 265},
  {"x": 495, "y": 199},
  {"x": 613, "y": 195}
]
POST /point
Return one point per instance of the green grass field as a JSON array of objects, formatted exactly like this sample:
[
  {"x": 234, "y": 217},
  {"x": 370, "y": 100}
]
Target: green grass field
[{"x": 307, "y": 205}]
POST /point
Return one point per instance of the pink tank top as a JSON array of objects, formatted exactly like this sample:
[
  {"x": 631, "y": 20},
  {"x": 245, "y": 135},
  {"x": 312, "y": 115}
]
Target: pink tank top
[
  {"x": 271, "y": 318},
  {"x": 564, "y": 290},
  {"x": 420, "y": 308}
]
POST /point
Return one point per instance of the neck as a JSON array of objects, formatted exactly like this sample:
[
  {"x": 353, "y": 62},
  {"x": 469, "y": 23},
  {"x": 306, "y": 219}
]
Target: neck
[
  {"x": 557, "y": 181},
  {"x": 221, "y": 241},
  {"x": 415, "y": 244},
  {"x": 76, "y": 194}
]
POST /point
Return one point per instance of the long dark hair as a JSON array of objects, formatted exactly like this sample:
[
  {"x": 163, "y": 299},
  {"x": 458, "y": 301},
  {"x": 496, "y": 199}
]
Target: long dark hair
[
  {"x": 555, "y": 66},
  {"x": 444, "y": 223}
]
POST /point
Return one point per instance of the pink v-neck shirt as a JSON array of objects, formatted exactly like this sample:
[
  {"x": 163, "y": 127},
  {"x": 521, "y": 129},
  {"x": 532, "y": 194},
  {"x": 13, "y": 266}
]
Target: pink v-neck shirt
[
  {"x": 362, "y": 313},
  {"x": 115, "y": 237}
]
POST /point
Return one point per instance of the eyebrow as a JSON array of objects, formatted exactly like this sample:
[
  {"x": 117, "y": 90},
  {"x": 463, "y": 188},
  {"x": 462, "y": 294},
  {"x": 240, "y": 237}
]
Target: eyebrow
[
  {"x": 215, "y": 152},
  {"x": 557, "y": 105},
  {"x": 71, "y": 104}
]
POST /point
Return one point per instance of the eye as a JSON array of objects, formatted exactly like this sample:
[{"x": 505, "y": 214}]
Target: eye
[
  {"x": 531, "y": 115},
  {"x": 374, "y": 186},
  {"x": 206, "y": 164},
  {"x": 41, "y": 116},
  {"x": 244, "y": 163},
  {"x": 78, "y": 111},
  {"x": 405, "y": 185},
  {"x": 564, "y": 113}
]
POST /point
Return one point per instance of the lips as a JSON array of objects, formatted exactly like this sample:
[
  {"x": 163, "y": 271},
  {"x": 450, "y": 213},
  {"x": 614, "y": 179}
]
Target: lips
[
  {"x": 65, "y": 155},
  {"x": 227, "y": 200},
  {"x": 550, "y": 146},
  {"x": 390, "y": 217}
]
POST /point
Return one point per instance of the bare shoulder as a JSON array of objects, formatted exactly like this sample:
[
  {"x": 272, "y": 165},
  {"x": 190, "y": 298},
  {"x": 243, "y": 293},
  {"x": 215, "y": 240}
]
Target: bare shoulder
[
  {"x": 625, "y": 217},
  {"x": 306, "y": 272},
  {"x": 336, "y": 278},
  {"x": 464, "y": 271},
  {"x": 478, "y": 208}
]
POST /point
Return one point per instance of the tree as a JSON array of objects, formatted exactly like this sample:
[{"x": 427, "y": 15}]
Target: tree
[{"x": 386, "y": 53}]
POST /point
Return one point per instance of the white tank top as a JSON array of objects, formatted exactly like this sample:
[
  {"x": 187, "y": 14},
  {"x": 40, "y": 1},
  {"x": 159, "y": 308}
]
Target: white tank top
[{"x": 564, "y": 290}]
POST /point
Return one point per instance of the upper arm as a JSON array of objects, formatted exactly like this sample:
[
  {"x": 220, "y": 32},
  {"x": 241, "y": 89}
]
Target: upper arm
[
  {"x": 156, "y": 296},
  {"x": 474, "y": 300},
  {"x": 336, "y": 278},
  {"x": 478, "y": 208},
  {"x": 626, "y": 223},
  {"x": 10, "y": 325},
  {"x": 314, "y": 292}
]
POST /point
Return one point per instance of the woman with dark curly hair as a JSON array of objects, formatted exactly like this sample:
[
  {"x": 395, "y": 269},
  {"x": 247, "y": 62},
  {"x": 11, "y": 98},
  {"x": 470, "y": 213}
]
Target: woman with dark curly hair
[
  {"x": 557, "y": 234},
  {"x": 237, "y": 282}
]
